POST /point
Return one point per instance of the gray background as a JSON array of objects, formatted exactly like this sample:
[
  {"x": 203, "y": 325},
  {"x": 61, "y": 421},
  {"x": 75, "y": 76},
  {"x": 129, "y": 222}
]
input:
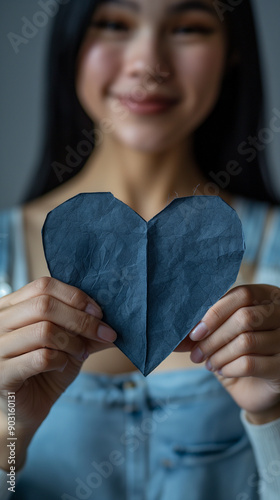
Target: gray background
[{"x": 22, "y": 92}]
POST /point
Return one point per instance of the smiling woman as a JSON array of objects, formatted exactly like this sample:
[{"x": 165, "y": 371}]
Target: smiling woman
[
  {"x": 240, "y": 97},
  {"x": 147, "y": 101},
  {"x": 186, "y": 42}
]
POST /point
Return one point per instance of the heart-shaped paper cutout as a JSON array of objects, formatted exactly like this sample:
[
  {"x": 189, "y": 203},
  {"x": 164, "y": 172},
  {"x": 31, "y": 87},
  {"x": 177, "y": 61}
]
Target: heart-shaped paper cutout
[{"x": 154, "y": 280}]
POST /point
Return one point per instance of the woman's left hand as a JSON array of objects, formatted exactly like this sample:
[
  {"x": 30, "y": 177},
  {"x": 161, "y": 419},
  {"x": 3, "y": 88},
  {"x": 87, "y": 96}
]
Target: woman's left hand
[{"x": 239, "y": 338}]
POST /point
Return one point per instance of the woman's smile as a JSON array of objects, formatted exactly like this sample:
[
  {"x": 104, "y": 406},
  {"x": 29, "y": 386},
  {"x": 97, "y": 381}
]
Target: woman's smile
[{"x": 150, "y": 105}]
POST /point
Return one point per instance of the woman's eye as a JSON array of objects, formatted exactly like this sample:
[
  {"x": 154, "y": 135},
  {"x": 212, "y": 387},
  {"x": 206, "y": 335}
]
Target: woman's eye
[
  {"x": 109, "y": 25},
  {"x": 189, "y": 30}
]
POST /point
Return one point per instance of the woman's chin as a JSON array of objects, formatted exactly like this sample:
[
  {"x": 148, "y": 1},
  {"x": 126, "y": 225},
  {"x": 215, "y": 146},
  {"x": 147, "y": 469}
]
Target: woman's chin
[{"x": 145, "y": 143}]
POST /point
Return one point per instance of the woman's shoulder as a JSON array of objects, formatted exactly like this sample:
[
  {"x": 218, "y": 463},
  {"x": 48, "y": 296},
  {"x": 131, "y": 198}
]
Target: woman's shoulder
[
  {"x": 10, "y": 221},
  {"x": 21, "y": 253},
  {"x": 245, "y": 206}
]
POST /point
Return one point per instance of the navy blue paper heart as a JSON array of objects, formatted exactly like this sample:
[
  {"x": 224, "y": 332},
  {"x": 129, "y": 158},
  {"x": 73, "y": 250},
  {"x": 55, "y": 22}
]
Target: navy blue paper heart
[{"x": 153, "y": 280}]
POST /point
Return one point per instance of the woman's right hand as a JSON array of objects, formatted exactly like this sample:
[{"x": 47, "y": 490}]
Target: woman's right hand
[{"x": 47, "y": 329}]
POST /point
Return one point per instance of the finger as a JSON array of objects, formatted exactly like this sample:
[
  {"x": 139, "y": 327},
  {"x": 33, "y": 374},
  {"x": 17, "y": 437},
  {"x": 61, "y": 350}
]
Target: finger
[
  {"x": 235, "y": 299},
  {"x": 18, "y": 370},
  {"x": 40, "y": 335},
  {"x": 48, "y": 308},
  {"x": 265, "y": 367},
  {"x": 95, "y": 346},
  {"x": 246, "y": 319},
  {"x": 186, "y": 345},
  {"x": 261, "y": 343},
  {"x": 46, "y": 285}
]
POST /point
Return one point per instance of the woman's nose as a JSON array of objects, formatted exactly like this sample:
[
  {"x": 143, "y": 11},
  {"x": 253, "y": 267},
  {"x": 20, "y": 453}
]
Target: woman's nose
[{"x": 148, "y": 57}]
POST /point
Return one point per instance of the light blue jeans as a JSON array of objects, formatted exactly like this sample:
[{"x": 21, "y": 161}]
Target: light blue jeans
[{"x": 170, "y": 436}]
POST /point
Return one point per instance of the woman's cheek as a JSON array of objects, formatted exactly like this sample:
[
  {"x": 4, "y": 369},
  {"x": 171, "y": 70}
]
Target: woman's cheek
[
  {"x": 98, "y": 64},
  {"x": 201, "y": 72},
  {"x": 203, "y": 63},
  {"x": 101, "y": 64}
]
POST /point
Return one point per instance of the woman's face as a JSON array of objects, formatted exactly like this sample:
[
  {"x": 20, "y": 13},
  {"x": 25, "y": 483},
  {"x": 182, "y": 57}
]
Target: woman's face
[{"x": 150, "y": 71}]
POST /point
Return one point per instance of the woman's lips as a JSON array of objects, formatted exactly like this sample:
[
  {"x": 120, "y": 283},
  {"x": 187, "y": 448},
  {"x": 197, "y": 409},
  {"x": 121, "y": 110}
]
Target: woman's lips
[{"x": 148, "y": 106}]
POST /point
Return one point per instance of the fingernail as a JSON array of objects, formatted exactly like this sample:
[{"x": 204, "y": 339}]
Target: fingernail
[
  {"x": 93, "y": 310},
  {"x": 106, "y": 333},
  {"x": 199, "y": 332},
  {"x": 209, "y": 365},
  {"x": 197, "y": 355},
  {"x": 84, "y": 356}
]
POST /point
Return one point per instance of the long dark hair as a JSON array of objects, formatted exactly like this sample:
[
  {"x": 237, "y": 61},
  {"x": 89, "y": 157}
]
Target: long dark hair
[{"x": 219, "y": 142}]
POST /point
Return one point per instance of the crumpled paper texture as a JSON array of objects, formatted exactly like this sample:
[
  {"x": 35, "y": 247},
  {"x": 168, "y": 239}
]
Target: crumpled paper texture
[{"x": 154, "y": 280}]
